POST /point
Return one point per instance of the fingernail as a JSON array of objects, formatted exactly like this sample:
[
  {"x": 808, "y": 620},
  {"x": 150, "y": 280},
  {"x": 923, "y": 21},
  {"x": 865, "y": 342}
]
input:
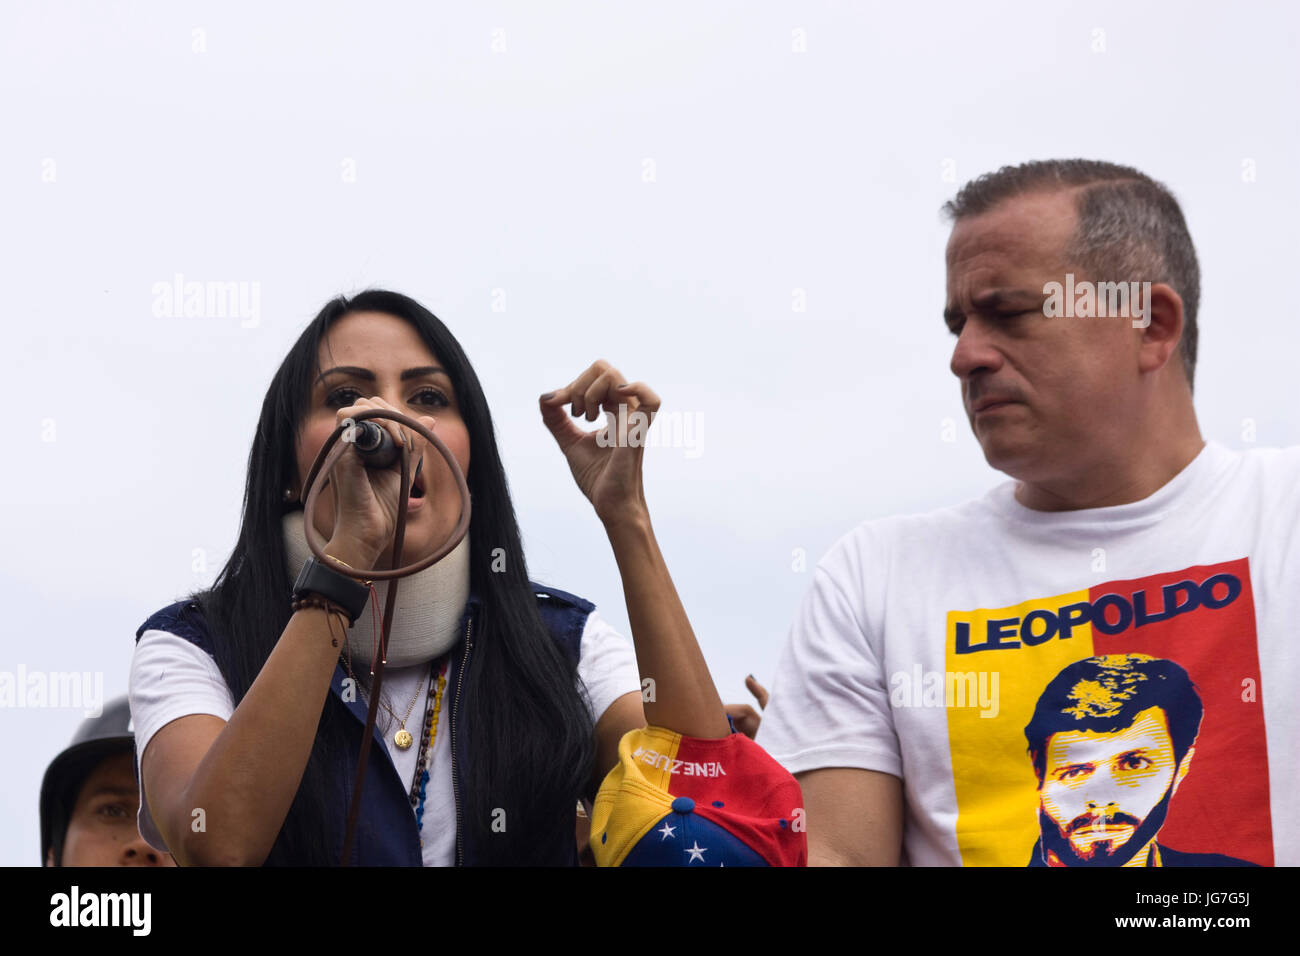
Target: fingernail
[
  {"x": 548, "y": 396},
  {"x": 624, "y": 385}
]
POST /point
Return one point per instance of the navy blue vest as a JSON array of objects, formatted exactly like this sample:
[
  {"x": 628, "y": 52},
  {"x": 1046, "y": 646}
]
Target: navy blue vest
[{"x": 386, "y": 831}]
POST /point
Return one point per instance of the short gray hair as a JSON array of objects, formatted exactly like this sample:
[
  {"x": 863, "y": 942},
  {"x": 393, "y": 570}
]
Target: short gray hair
[{"x": 1130, "y": 226}]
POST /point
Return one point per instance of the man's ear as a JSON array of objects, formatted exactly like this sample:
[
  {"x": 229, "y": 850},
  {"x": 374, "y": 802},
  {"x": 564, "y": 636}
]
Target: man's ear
[
  {"x": 1183, "y": 767},
  {"x": 1162, "y": 311}
]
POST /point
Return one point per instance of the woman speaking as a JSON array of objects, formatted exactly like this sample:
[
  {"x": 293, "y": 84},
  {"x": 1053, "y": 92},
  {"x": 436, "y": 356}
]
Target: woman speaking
[{"x": 502, "y": 702}]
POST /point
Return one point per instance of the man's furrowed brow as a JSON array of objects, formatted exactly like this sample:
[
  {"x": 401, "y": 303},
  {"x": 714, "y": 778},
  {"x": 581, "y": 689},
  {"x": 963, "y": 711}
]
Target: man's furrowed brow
[
  {"x": 1001, "y": 298},
  {"x": 995, "y": 300}
]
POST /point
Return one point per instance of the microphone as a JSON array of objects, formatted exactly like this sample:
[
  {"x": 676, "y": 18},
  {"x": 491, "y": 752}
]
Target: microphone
[{"x": 375, "y": 446}]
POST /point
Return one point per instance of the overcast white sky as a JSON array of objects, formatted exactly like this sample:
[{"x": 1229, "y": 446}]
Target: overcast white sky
[{"x": 488, "y": 154}]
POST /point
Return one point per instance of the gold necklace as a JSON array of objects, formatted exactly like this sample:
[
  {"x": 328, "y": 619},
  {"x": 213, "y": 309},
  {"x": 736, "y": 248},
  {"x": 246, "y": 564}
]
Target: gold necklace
[{"x": 402, "y": 739}]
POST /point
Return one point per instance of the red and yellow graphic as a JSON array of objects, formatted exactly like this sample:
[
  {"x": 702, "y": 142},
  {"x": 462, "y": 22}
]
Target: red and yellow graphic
[
  {"x": 1128, "y": 729},
  {"x": 685, "y": 801}
]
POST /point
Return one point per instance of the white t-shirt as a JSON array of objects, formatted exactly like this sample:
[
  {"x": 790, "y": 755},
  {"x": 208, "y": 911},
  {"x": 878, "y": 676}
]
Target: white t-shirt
[
  {"x": 172, "y": 678},
  {"x": 925, "y": 642}
]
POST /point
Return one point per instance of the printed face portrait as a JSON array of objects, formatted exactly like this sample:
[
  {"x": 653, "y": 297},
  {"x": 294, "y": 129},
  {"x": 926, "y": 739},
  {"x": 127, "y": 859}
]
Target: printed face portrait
[{"x": 1104, "y": 796}]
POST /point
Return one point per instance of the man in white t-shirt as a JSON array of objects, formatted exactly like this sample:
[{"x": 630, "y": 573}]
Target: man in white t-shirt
[{"x": 998, "y": 683}]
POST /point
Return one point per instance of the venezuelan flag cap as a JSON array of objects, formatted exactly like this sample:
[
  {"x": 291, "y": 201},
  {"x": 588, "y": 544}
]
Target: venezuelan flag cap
[{"x": 686, "y": 801}]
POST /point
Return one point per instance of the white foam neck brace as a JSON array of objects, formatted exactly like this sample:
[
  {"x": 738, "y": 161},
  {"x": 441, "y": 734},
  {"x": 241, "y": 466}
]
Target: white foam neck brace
[{"x": 429, "y": 603}]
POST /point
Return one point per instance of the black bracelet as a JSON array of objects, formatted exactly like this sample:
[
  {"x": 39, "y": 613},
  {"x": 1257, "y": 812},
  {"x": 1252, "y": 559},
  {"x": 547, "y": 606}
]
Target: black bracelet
[
  {"x": 315, "y": 600},
  {"x": 347, "y": 593}
]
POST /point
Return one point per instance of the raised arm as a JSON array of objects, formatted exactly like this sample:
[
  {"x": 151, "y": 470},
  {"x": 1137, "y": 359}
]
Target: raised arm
[
  {"x": 607, "y": 467},
  {"x": 688, "y": 763}
]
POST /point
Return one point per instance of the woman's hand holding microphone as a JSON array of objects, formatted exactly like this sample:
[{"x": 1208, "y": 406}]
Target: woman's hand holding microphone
[{"x": 366, "y": 499}]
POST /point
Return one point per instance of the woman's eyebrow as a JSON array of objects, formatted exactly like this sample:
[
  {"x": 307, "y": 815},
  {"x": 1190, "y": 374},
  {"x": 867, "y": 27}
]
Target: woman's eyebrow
[
  {"x": 423, "y": 370},
  {"x": 365, "y": 373}
]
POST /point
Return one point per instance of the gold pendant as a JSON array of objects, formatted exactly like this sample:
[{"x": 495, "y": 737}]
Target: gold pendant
[{"x": 403, "y": 739}]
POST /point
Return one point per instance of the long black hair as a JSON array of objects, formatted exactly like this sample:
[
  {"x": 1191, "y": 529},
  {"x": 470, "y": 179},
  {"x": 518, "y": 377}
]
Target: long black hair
[{"x": 521, "y": 713}]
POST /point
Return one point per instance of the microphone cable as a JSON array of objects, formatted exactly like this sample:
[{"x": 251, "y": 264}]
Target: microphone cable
[{"x": 324, "y": 463}]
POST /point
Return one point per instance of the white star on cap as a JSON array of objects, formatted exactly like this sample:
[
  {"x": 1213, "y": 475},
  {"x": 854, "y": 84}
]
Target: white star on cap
[
  {"x": 697, "y": 852},
  {"x": 666, "y": 830}
]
